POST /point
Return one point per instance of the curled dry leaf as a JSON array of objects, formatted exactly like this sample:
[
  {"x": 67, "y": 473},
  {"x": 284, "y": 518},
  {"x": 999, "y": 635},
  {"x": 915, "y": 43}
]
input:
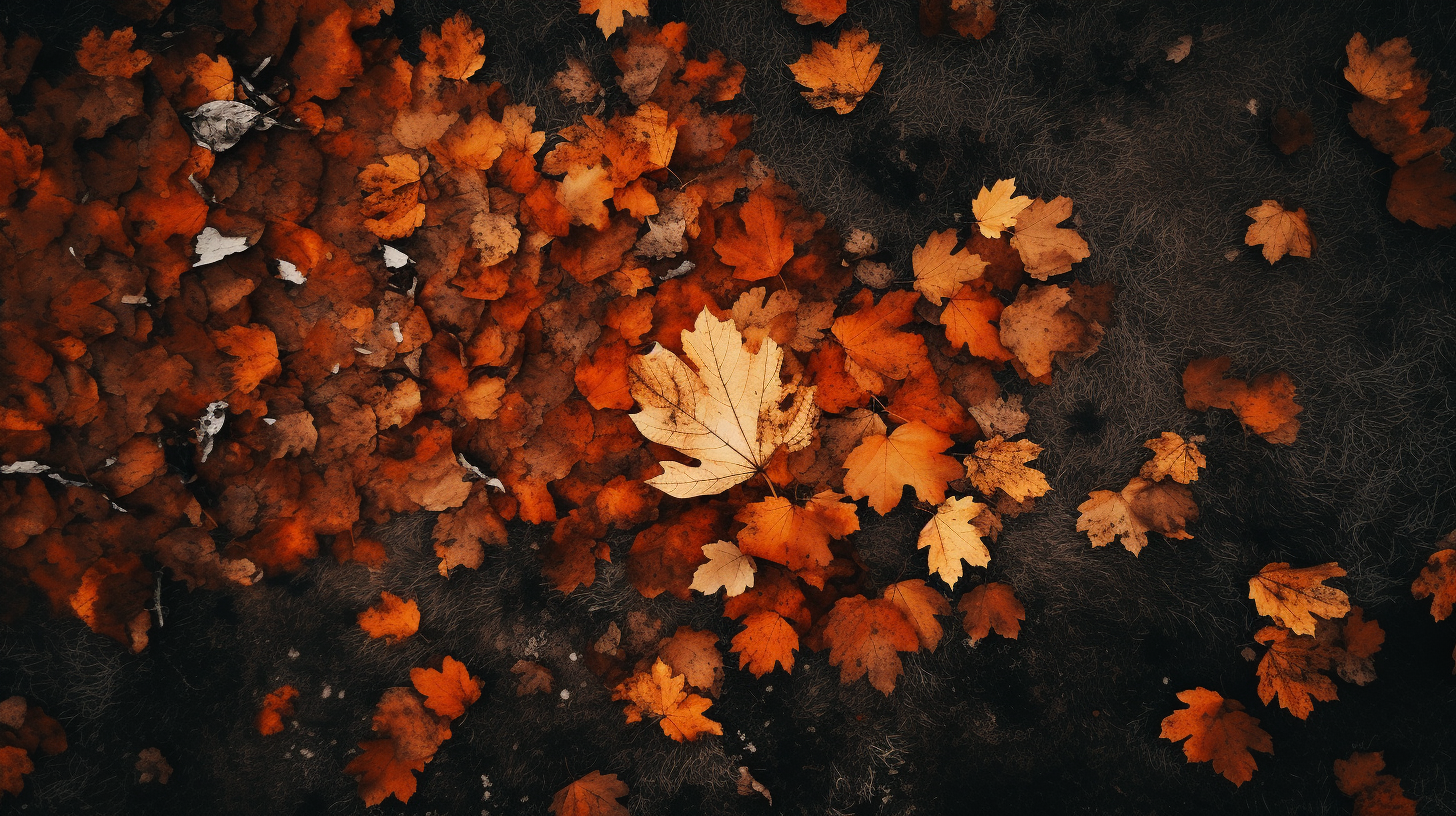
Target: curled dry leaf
[
  {"x": 839, "y": 76},
  {"x": 727, "y": 414},
  {"x": 952, "y": 536},
  {"x": 1292, "y": 596},
  {"x": 595, "y": 794},
  {"x": 991, "y": 607},
  {"x": 1282, "y": 232},
  {"x": 1218, "y": 731}
]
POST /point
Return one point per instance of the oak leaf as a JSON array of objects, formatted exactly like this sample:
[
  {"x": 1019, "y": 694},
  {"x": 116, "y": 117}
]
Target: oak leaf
[
  {"x": 277, "y": 705},
  {"x": 1000, "y": 464},
  {"x": 1218, "y": 731},
  {"x": 449, "y": 690},
  {"x": 839, "y": 76},
  {"x": 1292, "y": 597},
  {"x": 392, "y": 618},
  {"x": 864, "y": 637},
  {"x": 1437, "y": 581},
  {"x": 952, "y": 537},
  {"x": 1375, "y": 793},
  {"x": 991, "y": 607},
  {"x": 939, "y": 273},
  {"x": 726, "y": 414},
  {"x": 726, "y": 568},
  {"x": 595, "y": 794},
  {"x": 1282, "y": 232},
  {"x": 1047, "y": 249},
  {"x": 1174, "y": 457},
  {"x": 880, "y": 467},
  {"x": 659, "y": 693},
  {"x": 997, "y": 209}
]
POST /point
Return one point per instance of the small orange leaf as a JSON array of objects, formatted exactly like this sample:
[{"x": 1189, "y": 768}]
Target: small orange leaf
[
  {"x": 991, "y": 607},
  {"x": 1218, "y": 731},
  {"x": 767, "y": 639},
  {"x": 1282, "y": 232},
  {"x": 880, "y": 467},
  {"x": 1437, "y": 581},
  {"x": 393, "y": 618},
  {"x": 277, "y": 705},
  {"x": 447, "y": 691},
  {"x": 659, "y": 693},
  {"x": 595, "y": 794}
]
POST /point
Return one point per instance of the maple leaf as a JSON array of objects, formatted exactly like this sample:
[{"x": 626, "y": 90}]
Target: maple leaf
[
  {"x": 767, "y": 639},
  {"x": 1174, "y": 457},
  {"x": 880, "y": 467},
  {"x": 920, "y": 605},
  {"x": 969, "y": 319},
  {"x": 1293, "y": 670},
  {"x": 1375, "y": 793},
  {"x": 839, "y": 76},
  {"x": 1000, "y": 464},
  {"x": 534, "y": 678},
  {"x": 996, "y": 209},
  {"x": 277, "y": 705},
  {"x": 595, "y": 794},
  {"x": 726, "y": 414},
  {"x": 1047, "y": 249},
  {"x": 1437, "y": 581},
  {"x": 1281, "y": 231},
  {"x": 449, "y": 690},
  {"x": 1293, "y": 596},
  {"x": 1138, "y": 509},
  {"x": 1352, "y": 644},
  {"x": 111, "y": 55},
  {"x": 864, "y": 637},
  {"x": 610, "y": 13},
  {"x": 1041, "y": 323},
  {"x": 1383, "y": 74},
  {"x": 796, "y": 536},
  {"x": 660, "y": 693},
  {"x": 727, "y": 568},
  {"x": 1218, "y": 731},
  {"x": 938, "y": 272},
  {"x": 874, "y": 347},
  {"x": 761, "y": 247},
  {"x": 991, "y": 606},
  {"x": 411, "y": 736},
  {"x": 694, "y": 654},
  {"x": 455, "y": 51},
  {"x": 1422, "y": 193},
  {"x": 392, "y": 618},
  {"x": 952, "y": 536},
  {"x": 14, "y": 765},
  {"x": 808, "y": 12}
]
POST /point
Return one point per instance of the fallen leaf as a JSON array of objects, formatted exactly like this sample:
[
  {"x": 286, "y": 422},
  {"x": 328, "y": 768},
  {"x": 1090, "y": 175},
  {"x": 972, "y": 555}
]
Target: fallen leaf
[
  {"x": 727, "y": 568},
  {"x": 449, "y": 690},
  {"x": 864, "y": 637},
  {"x": 693, "y": 653},
  {"x": 1264, "y": 405},
  {"x": 1375, "y": 793},
  {"x": 880, "y": 467},
  {"x": 839, "y": 76},
  {"x": 393, "y": 618},
  {"x": 1383, "y": 74},
  {"x": 952, "y": 537},
  {"x": 1174, "y": 457},
  {"x": 1424, "y": 193},
  {"x": 151, "y": 766},
  {"x": 873, "y": 343},
  {"x": 277, "y": 705},
  {"x": 991, "y": 607},
  {"x": 1000, "y": 464},
  {"x": 595, "y": 794},
  {"x": 1437, "y": 581},
  {"x": 1293, "y": 670},
  {"x": 767, "y": 639},
  {"x": 1282, "y": 232},
  {"x": 726, "y": 414},
  {"x": 659, "y": 693},
  {"x": 1047, "y": 249},
  {"x": 534, "y": 678},
  {"x": 610, "y": 13},
  {"x": 1218, "y": 731},
  {"x": 794, "y": 535},
  {"x": 1291, "y": 130},
  {"x": 1292, "y": 597},
  {"x": 808, "y": 12},
  {"x": 997, "y": 209},
  {"x": 938, "y": 272},
  {"x": 920, "y": 605},
  {"x": 1138, "y": 509}
]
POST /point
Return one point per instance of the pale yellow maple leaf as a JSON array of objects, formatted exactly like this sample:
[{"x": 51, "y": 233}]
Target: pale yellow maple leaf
[
  {"x": 731, "y": 413},
  {"x": 996, "y": 209},
  {"x": 1174, "y": 456},
  {"x": 952, "y": 537},
  {"x": 727, "y": 568},
  {"x": 610, "y": 12},
  {"x": 1001, "y": 464},
  {"x": 1282, "y": 232},
  {"x": 939, "y": 273}
]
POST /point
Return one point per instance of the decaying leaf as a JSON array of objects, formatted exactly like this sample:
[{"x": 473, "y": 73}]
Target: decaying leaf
[
  {"x": 991, "y": 607},
  {"x": 838, "y": 76},
  {"x": 1174, "y": 457},
  {"x": 1139, "y": 508},
  {"x": 393, "y": 618},
  {"x": 865, "y": 636},
  {"x": 1264, "y": 405},
  {"x": 1293, "y": 596},
  {"x": 1437, "y": 581},
  {"x": 1000, "y": 464}
]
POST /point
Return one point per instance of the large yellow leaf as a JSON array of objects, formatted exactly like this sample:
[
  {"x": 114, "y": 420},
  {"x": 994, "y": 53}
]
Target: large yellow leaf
[
  {"x": 726, "y": 414},
  {"x": 952, "y": 537}
]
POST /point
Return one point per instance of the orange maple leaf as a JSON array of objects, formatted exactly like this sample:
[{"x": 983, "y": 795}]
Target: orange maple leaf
[
  {"x": 767, "y": 639},
  {"x": 1218, "y": 731},
  {"x": 760, "y": 248},
  {"x": 595, "y": 794},
  {"x": 797, "y": 537},
  {"x": 808, "y": 12},
  {"x": 880, "y": 467},
  {"x": 1375, "y": 793},
  {"x": 1282, "y": 232},
  {"x": 920, "y": 604},
  {"x": 872, "y": 342},
  {"x": 1293, "y": 670},
  {"x": 991, "y": 606},
  {"x": 1383, "y": 74},
  {"x": 938, "y": 272},
  {"x": 839, "y": 76},
  {"x": 610, "y": 13},
  {"x": 864, "y": 637},
  {"x": 411, "y": 736},
  {"x": 277, "y": 705},
  {"x": 659, "y": 693},
  {"x": 970, "y": 319},
  {"x": 1437, "y": 581},
  {"x": 111, "y": 55},
  {"x": 448, "y": 690},
  {"x": 1294, "y": 596},
  {"x": 1264, "y": 405}
]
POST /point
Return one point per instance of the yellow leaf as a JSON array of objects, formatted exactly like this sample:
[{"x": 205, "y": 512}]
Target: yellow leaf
[
  {"x": 996, "y": 209},
  {"x": 938, "y": 273},
  {"x": 1175, "y": 457},
  {"x": 1281, "y": 231},
  {"x": 952, "y": 537},
  {"x": 999, "y": 464},
  {"x": 726, "y": 567}
]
